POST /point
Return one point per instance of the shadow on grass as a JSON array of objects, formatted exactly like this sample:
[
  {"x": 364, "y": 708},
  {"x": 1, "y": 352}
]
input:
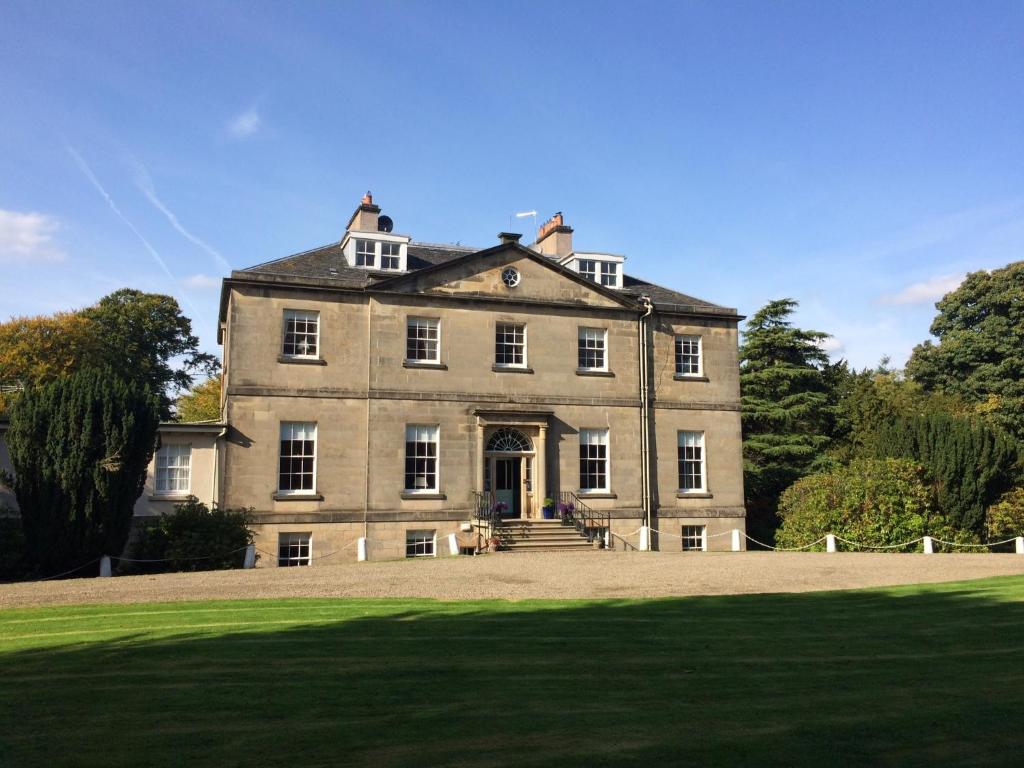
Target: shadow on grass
[{"x": 906, "y": 676}]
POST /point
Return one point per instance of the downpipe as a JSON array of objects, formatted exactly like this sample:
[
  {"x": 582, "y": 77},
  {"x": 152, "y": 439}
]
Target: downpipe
[{"x": 645, "y": 473}]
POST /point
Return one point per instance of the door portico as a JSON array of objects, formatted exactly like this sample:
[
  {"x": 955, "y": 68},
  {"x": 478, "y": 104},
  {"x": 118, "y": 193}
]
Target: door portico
[{"x": 511, "y": 459}]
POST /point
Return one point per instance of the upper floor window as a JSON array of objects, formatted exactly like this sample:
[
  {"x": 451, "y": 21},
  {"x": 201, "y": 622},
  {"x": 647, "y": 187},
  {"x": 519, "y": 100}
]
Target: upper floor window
[
  {"x": 510, "y": 344},
  {"x": 297, "y": 467},
  {"x": 592, "y": 349},
  {"x": 421, "y": 457},
  {"x": 587, "y": 269},
  {"x": 688, "y": 356},
  {"x": 366, "y": 253},
  {"x": 421, "y": 341},
  {"x": 609, "y": 274},
  {"x": 301, "y": 333},
  {"x": 691, "y": 462},
  {"x": 174, "y": 468},
  {"x": 593, "y": 459},
  {"x": 390, "y": 256}
]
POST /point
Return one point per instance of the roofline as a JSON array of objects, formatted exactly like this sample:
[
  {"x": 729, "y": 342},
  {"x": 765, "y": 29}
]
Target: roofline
[{"x": 527, "y": 252}]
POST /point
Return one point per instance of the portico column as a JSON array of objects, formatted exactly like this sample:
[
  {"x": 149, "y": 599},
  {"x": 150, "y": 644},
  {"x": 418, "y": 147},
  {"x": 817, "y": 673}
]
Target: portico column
[
  {"x": 540, "y": 478},
  {"x": 480, "y": 455}
]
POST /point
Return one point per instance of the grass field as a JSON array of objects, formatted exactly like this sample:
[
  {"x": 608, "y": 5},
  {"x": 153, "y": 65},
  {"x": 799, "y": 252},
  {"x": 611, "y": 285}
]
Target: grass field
[{"x": 928, "y": 675}]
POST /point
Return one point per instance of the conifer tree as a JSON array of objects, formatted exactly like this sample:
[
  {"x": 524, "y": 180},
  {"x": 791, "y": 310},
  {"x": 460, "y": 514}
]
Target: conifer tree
[
  {"x": 787, "y": 408},
  {"x": 80, "y": 447}
]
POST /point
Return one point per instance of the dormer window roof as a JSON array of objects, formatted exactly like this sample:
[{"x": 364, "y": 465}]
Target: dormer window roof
[{"x": 381, "y": 251}]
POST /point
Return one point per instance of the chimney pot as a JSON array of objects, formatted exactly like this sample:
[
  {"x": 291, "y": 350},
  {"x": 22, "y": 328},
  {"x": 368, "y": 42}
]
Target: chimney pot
[{"x": 367, "y": 198}]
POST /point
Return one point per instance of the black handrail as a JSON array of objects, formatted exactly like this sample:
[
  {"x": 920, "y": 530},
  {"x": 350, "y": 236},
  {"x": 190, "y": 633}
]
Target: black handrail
[
  {"x": 589, "y": 522},
  {"x": 487, "y": 515}
]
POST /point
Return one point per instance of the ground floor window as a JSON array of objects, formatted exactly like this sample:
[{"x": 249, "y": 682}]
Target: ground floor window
[
  {"x": 294, "y": 549},
  {"x": 691, "y": 462},
  {"x": 693, "y": 538},
  {"x": 420, "y": 543},
  {"x": 594, "y": 459}
]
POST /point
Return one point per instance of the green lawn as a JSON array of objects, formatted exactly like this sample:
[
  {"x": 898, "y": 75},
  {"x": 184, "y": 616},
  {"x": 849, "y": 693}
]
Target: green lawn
[{"x": 927, "y": 675}]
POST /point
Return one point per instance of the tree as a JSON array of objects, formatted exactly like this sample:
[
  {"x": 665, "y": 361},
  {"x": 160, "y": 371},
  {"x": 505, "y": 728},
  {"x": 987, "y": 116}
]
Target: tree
[
  {"x": 202, "y": 403},
  {"x": 138, "y": 336},
  {"x": 142, "y": 333},
  {"x": 41, "y": 349},
  {"x": 80, "y": 447},
  {"x": 980, "y": 354},
  {"x": 787, "y": 410},
  {"x": 969, "y": 462},
  {"x": 877, "y": 502},
  {"x": 1005, "y": 518}
]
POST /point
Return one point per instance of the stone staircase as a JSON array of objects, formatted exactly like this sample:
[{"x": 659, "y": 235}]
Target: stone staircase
[{"x": 541, "y": 535}]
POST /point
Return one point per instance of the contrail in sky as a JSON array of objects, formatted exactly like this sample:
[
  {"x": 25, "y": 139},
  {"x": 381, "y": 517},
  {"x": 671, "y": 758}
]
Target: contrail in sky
[
  {"x": 145, "y": 184},
  {"x": 87, "y": 171}
]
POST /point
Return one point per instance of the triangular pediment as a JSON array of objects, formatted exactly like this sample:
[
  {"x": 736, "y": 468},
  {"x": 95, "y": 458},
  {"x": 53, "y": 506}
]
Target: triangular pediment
[{"x": 481, "y": 275}]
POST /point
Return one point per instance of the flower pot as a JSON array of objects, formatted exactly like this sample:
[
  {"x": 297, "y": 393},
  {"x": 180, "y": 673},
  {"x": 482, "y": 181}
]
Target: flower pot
[{"x": 549, "y": 513}]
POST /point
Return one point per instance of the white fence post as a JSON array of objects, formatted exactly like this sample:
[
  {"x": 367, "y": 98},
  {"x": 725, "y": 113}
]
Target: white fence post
[
  {"x": 645, "y": 539},
  {"x": 105, "y": 566},
  {"x": 361, "y": 549},
  {"x": 1020, "y": 545},
  {"x": 736, "y": 540},
  {"x": 928, "y": 550},
  {"x": 453, "y": 544},
  {"x": 250, "y": 557},
  {"x": 830, "y": 542}
]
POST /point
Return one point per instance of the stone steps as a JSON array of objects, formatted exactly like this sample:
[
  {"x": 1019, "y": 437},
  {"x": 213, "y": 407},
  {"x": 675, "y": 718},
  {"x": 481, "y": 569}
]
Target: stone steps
[{"x": 546, "y": 535}]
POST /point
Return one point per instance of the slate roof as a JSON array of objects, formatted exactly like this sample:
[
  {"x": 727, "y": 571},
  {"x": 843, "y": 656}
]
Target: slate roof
[{"x": 327, "y": 263}]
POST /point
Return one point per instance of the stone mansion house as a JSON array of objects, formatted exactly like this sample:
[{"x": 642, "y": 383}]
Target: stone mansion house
[{"x": 384, "y": 388}]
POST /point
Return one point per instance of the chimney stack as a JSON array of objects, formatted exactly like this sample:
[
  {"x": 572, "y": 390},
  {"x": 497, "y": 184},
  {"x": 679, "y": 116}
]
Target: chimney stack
[
  {"x": 365, "y": 217},
  {"x": 554, "y": 238},
  {"x": 509, "y": 238}
]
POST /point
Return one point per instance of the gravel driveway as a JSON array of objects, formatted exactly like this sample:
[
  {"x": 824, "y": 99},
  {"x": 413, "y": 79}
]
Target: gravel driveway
[{"x": 515, "y": 576}]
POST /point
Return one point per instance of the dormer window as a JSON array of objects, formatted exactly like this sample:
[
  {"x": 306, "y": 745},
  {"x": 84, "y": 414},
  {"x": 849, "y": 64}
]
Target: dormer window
[
  {"x": 609, "y": 274},
  {"x": 366, "y": 253},
  {"x": 389, "y": 255},
  {"x": 588, "y": 269},
  {"x": 606, "y": 270}
]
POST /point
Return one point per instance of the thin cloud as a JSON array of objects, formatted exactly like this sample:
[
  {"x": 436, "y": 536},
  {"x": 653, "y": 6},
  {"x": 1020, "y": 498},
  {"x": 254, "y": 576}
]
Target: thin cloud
[
  {"x": 87, "y": 172},
  {"x": 246, "y": 124},
  {"x": 927, "y": 291},
  {"x": 832, "y": 345},
  {"x": 201, "y": 281},
  {"x": 28, "y": 238},
  {"x": 145, "y": 185}
]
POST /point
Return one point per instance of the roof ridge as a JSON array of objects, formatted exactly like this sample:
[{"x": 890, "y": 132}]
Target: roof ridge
[{"x": 445, "y": 246}]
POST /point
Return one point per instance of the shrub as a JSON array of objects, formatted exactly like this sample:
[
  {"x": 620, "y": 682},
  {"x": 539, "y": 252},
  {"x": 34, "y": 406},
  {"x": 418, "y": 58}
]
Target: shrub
[
  {"x": 195, "y": 538},
  {"x": 878, "y": 502},
  {"x": 1005, "y": 518},
  {"x": 12, "y": 544}
]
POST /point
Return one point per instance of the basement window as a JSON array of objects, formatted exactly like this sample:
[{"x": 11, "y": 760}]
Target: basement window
[
  {"x": 420, "y": 543},
  {"x": 294, "y": 549},
  {"x": 693, "y": 538}
]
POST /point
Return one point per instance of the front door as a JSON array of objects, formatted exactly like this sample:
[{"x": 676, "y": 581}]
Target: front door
[{"x": 506, "y": 485}]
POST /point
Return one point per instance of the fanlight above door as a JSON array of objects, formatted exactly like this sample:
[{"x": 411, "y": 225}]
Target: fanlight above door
[{"x": 507, "y": 440}]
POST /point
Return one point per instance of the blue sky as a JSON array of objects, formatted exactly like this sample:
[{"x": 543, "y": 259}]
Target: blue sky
[{"x": 858, "y": 157}]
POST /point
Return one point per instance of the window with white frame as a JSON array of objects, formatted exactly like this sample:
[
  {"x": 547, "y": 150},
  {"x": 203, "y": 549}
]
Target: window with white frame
[
  {"x": 593, "y": 459},
  {"x": 691, "y": 462},
  {"x": 510, "y": 344},
  {"x": 592, "y": 349},
  {"x": 294, "y": 549},
  {"x": 390, "y": 255},
  {"x": 420, "y": 543},
  {"x": 609, "y": 274},
  {"x": 301, "y": 333},
  {"x": 366, "y": 253},
  {"x": 587, "y": 268},
  {"x": 688, "y": 356},
  {"x": 174, "y": 468},
  {"x": 421, "y": 340},
  {"x": 297, "y": 469},
  {"x": 421, "y": 458},
  {"x": 693, "y": 538}
]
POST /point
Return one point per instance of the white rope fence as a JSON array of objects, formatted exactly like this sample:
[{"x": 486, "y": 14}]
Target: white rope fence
[{"x": 831, "y": 542}]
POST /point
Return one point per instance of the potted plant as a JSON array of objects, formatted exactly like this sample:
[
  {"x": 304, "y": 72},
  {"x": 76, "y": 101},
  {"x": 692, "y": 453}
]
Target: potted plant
[
  {"x": 548, "y": 509},
  {"x": 565, "y": 510}
]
